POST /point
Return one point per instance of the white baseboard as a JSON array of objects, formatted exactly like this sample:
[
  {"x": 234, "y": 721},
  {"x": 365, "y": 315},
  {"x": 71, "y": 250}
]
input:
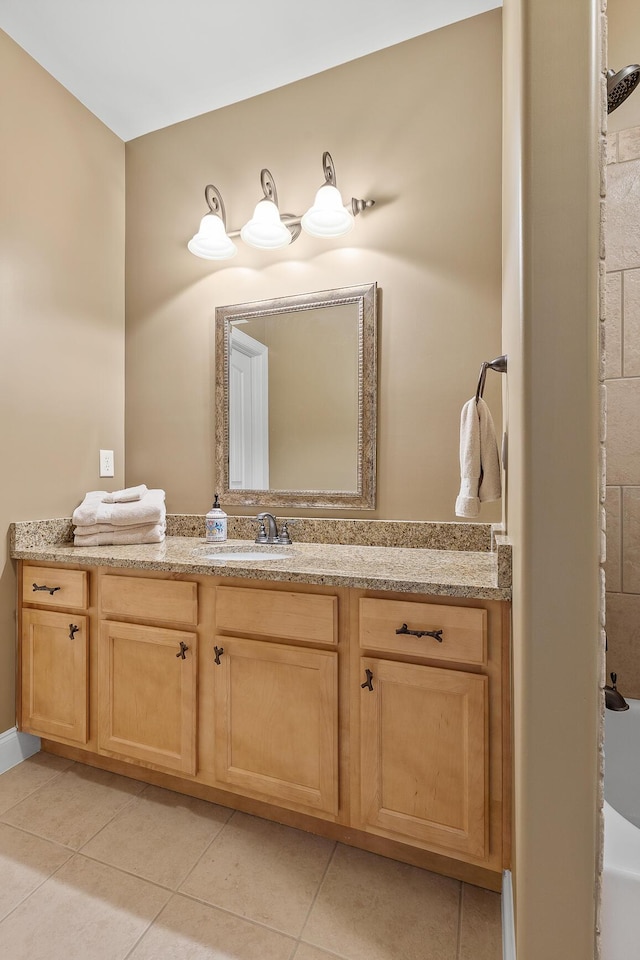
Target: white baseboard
[
  {"x": 508, "y": 918},
  {"x": 16, "y": 747}
]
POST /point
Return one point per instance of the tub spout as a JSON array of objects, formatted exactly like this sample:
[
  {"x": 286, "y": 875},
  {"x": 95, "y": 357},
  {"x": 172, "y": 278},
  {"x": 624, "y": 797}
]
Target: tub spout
[{"x": 613, "y": 699}]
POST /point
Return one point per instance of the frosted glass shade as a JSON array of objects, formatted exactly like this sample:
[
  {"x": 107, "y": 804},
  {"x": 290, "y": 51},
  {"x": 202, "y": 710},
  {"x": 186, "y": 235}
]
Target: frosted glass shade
[
  {"x": 266, "y": 230},
  {"x": 211, "y": 241},
  {"x": 328, "y": 217}
]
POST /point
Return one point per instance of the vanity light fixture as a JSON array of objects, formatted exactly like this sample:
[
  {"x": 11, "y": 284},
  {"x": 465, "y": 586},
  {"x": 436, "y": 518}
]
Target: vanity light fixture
[
  {"x": 328, "y": 217},
  {"x": 212, "y": 242},
  {"x": 268, "y": 229}
]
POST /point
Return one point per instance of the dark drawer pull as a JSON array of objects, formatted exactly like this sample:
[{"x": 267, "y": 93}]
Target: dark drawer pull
[
  {"x": 72, "y": 630},
  {"x": 368, "y": 685},
  {"x": 218, "y": 652},
  {"x": 436, "y": 634},
  {"x": 50, "y": 590},
  {"x": 183, "y": 650}
]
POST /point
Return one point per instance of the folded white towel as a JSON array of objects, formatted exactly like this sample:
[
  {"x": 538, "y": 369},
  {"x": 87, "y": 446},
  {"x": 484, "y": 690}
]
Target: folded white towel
[
  {"x": 480, "y": 479},
  {"x": 152, "y": 533},
  {"x": 126, "y": 495},
  {"x": 90, "y": 530},
  {"x": 149, "y": 509}
]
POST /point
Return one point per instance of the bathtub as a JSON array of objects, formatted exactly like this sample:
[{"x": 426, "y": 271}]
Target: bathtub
[{"x": 620, "y": 917}]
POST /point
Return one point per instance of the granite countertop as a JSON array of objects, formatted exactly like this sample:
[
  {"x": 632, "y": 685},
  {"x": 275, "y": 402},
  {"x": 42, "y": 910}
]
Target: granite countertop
[{"x": 481, "y": 574}]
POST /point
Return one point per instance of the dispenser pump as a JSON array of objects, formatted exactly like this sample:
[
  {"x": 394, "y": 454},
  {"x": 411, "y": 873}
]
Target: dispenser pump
[{"x": 216, "y": 523}]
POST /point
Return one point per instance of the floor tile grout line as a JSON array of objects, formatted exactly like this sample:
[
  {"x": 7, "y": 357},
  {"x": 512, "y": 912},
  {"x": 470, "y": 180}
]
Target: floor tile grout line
[
  {"x": 459, "y": 930},
  {"x": 108, "y": 823},
  {"x": 238, "y": 916},
  {"x": 147, "y": 928},
  {"x": 187, "y": 896},
  {"x": 319, "y": 888},
  {"x": 330, "y": 953},
  {"x": 99, "y": 830},
  {"x": 46, "y": 880},
  {"x": 131, "y": 873},
  {"x": 39, "y": 836},
  {"x": 127, "y": 873},
  {"x": 168, "y": 890},
  {"x": 294, "y": 950},
  {"x": 208, "y": 847},
  {"x": 27, "y": 795}
]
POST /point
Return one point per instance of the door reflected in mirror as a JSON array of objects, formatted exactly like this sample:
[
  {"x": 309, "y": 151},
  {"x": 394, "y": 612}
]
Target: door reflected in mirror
[{"x": 296, "y": 399}]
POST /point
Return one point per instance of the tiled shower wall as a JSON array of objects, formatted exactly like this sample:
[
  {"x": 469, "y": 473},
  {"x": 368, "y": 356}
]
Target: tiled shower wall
[{"x": 622, "y": 378}]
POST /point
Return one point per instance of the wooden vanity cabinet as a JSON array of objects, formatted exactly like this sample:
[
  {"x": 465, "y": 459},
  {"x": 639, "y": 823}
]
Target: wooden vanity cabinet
[
  {"x": 373, "y": 718},
  {"x": 54, "y": 649}
]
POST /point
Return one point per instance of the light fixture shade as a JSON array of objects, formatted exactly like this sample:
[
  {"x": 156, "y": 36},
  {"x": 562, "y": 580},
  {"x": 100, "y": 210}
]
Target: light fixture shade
[
  {"x": 266, "y": 230},
  {"x": 328, "y": 217},
  {"x": 211, "y": 241}
]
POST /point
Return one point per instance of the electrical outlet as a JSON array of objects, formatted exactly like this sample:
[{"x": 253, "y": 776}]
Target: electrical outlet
[{"x": 106, "y": 463}]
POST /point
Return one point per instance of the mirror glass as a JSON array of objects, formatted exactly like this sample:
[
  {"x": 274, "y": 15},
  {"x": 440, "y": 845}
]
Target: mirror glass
[{"x": 296, "y": 399}]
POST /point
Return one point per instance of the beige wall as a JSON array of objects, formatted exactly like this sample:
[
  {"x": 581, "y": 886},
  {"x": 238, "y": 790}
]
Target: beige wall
[
  {"x": 551, "y": 329},
  {"x": 62, "y": 320},
  {"x": 428, "y": 151},
  {"x": 622, "y": 372},
  {"x": 624, "y": 48}
]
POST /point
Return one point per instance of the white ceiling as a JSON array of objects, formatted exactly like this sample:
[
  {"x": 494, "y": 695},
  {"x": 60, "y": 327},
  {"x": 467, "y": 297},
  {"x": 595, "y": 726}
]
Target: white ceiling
[{"x": 140, "y": 65}]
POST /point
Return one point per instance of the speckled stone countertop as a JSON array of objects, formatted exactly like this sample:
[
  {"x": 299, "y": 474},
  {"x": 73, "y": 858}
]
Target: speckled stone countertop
[{"x": 480, "y": 573}]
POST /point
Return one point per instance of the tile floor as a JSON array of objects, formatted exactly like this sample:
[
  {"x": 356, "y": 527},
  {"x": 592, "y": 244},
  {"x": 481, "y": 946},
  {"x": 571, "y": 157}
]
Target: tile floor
[{"x": 94, "y": 866}]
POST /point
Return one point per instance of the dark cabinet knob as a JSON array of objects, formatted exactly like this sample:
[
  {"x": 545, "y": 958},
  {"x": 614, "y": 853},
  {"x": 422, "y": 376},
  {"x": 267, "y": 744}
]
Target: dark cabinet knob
[
  {"x": 368, "y": 684},
  {"x": 218, "y": 653},
  {"x": 73, "y": 629},
  {"x": 182, "y": 654}
]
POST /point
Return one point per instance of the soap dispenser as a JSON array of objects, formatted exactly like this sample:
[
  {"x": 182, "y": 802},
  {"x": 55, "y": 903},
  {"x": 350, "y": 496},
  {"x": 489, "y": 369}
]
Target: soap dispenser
[{"x": 216, "y": 523}]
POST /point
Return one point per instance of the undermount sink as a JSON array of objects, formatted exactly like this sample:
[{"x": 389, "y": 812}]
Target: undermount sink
[{"x": 241, "y": 554}]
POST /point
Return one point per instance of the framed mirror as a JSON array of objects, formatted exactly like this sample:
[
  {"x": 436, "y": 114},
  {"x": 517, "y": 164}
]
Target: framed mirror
[{"x": 296, "y": 400}]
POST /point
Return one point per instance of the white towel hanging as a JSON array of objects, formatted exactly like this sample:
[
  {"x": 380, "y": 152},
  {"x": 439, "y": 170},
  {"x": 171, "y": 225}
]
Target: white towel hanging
[{"x": 480, "y": 479}]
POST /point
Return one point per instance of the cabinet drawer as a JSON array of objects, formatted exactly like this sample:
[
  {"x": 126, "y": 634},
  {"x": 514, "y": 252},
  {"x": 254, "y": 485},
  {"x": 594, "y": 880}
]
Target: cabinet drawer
[
  {"x": 52, "y": 587},
  {"x": 464, "y": 630},
  {"x": 271, "y": 613},
  {"x": 170, "y": 601}
]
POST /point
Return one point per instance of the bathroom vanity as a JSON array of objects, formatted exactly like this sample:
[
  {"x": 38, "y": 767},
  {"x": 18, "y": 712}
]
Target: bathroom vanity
[{"x": 359, "y": 692}]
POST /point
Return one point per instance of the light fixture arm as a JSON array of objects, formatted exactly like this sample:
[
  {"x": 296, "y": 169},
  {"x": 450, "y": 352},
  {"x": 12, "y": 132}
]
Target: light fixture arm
[
  {"x": 215, "y": 202},
  {"x": 329, "y": 169},
  {"x": 268, "y": 185},
  {"x": 357, "y": 206}
]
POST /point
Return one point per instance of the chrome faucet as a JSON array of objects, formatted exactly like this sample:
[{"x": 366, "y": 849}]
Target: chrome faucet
[{"x": 268, "y": 532}]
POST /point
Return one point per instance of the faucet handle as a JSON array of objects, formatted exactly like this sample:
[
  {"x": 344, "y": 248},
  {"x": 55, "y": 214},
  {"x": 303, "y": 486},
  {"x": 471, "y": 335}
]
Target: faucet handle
[
  {"x": 284, "y": 531},
  {"x": 262, "y": 531}
]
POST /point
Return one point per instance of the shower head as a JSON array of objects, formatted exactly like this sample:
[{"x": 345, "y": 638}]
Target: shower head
[{"x": 620, "y": 85}]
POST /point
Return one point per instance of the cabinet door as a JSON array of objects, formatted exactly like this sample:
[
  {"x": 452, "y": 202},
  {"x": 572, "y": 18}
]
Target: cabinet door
[
  {"x": 147, "y": 695},
  {"x": 54, "y": 674},
  {"x": 424, "y": 755},
  {"x": 276, "y": 722}
]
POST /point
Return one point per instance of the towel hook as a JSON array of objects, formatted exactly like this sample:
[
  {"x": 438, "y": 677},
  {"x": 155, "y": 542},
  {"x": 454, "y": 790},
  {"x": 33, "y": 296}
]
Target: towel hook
[{"x": 499, "y": 365}]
